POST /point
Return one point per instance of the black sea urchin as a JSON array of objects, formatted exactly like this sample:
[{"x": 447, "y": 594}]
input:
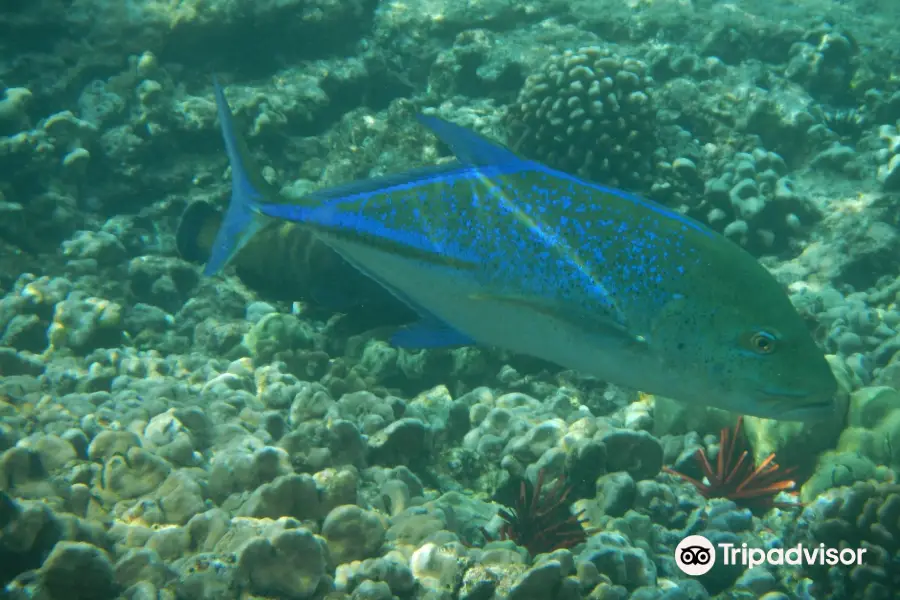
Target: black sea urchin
[{"x": 540, "y": 520}]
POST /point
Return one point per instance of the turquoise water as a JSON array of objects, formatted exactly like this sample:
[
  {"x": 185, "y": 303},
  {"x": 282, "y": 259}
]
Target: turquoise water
[{"x": 256, "y": 435}]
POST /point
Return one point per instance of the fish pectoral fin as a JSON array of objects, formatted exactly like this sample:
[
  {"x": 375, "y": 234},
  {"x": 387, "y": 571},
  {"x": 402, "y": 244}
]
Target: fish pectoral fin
[
  {"x": 600, "y": 320},
  {"x": 429, "y": 333}
]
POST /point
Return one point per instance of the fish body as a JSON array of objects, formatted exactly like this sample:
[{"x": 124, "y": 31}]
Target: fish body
[{"x": 498, "y": 250}]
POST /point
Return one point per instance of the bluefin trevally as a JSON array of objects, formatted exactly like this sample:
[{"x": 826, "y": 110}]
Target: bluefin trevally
[{"x": 497, "y": 250}]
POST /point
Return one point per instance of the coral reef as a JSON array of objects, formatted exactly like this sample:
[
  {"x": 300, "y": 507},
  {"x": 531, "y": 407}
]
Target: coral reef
[
  {"x": 589, "y": 112},
  {"x": 865, "y": 517}
]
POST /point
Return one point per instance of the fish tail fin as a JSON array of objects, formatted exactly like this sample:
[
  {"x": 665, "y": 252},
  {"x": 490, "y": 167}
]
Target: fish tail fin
[
  {"x": 196, "y": 231},
  {"x": 242, "y": 219}
]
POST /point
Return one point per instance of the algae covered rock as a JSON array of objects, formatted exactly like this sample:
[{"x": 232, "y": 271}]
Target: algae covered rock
[
  {"x": 83, "y": 323},
  {"x": 291, "y": 564},
  {"x": 338, "y": 486},
  {"x": 889, "y": 157},
  {"x": 319, "y": 445},
  {"x": 109, "y": 443},
  {"x": 102, "y": 247},
  {"x": 180, "y": 497},
  {"x": 636, "y": 452},
  {"x": 618, "y": 493},
  {"x": 353, "y": 533},
  {"x": 496, "y": 570},
  {"x": 23, "y": 474},
  {"x": 29, "y": 534},
  {"x": 54, "y": 452},
  {"x": 790, "y": 438},
  {"x": 143, "y": 566},
  {"x": 133, "y": 474},
  {"x": 613, "y": 556},
  {"x": 403, "y": 442},
  {"x": 438, "y": 568},
  {"x": 208, "y": 576},
  {"x": 447, "y": 418},
  {"x": 277, "y": 333},
  {"x": 873, "y": 429},
  {"x": 536, "y": 441},
  {"x": 390, "y": 570},
  {"x": 824, "y": 62},
  {"x": 170, "y": 439},
  {"x": 870, "y": 406},
  {"x": 841, "y": 468},
  {"x": 549, "y": 577},
  {"x": 369, "y": 412},
  {"x": 671, "y": 417},
  {"x": 77, "y": 571},
  {"x": 161, "y": 281},
  {"x": 14, "y": 108},
  {"x": 866, "y": 448},
  {"x": 295, "y": 495}
]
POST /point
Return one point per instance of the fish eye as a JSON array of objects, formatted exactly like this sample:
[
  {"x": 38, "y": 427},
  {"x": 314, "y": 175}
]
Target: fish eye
[{"x": 763, "y": 342}]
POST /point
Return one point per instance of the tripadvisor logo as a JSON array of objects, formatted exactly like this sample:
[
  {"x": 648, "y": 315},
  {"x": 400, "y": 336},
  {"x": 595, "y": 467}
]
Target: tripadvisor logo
[{"x": 695, "y": 555}]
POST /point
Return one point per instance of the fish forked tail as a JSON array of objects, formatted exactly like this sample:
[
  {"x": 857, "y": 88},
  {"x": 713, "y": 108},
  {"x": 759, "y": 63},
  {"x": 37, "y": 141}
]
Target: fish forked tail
[{"x": 242, "y": 220}]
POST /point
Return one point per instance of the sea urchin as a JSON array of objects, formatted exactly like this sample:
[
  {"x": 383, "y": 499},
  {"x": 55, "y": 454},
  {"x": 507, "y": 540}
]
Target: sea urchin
[
  {"x": 540, "y": 520},
  {"x": 736, "y": 477}
]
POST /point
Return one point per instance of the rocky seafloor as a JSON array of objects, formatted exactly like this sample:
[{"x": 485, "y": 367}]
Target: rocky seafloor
[{"x": 165, "y": 435}]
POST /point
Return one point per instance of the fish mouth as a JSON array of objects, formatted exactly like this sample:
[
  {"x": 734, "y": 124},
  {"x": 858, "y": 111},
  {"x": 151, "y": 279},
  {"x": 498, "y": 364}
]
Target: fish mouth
[
  {"x": 784, "y": 393},
  {"x": 814, "y": 407}
]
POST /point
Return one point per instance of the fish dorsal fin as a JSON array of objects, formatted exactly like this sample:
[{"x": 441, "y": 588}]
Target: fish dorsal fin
[{"x": 469, "y": 147}]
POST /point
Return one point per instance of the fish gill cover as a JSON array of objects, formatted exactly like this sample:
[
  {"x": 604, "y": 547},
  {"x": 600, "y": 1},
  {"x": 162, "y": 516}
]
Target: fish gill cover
[{"x": 271, "y": 431}]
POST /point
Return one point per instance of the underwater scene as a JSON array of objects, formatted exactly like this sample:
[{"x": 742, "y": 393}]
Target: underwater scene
[{"x": 449, "y": 299}]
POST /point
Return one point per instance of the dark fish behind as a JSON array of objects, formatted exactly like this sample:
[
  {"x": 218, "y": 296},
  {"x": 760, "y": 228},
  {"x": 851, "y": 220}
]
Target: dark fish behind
[{"x": 308, "y": 270}]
